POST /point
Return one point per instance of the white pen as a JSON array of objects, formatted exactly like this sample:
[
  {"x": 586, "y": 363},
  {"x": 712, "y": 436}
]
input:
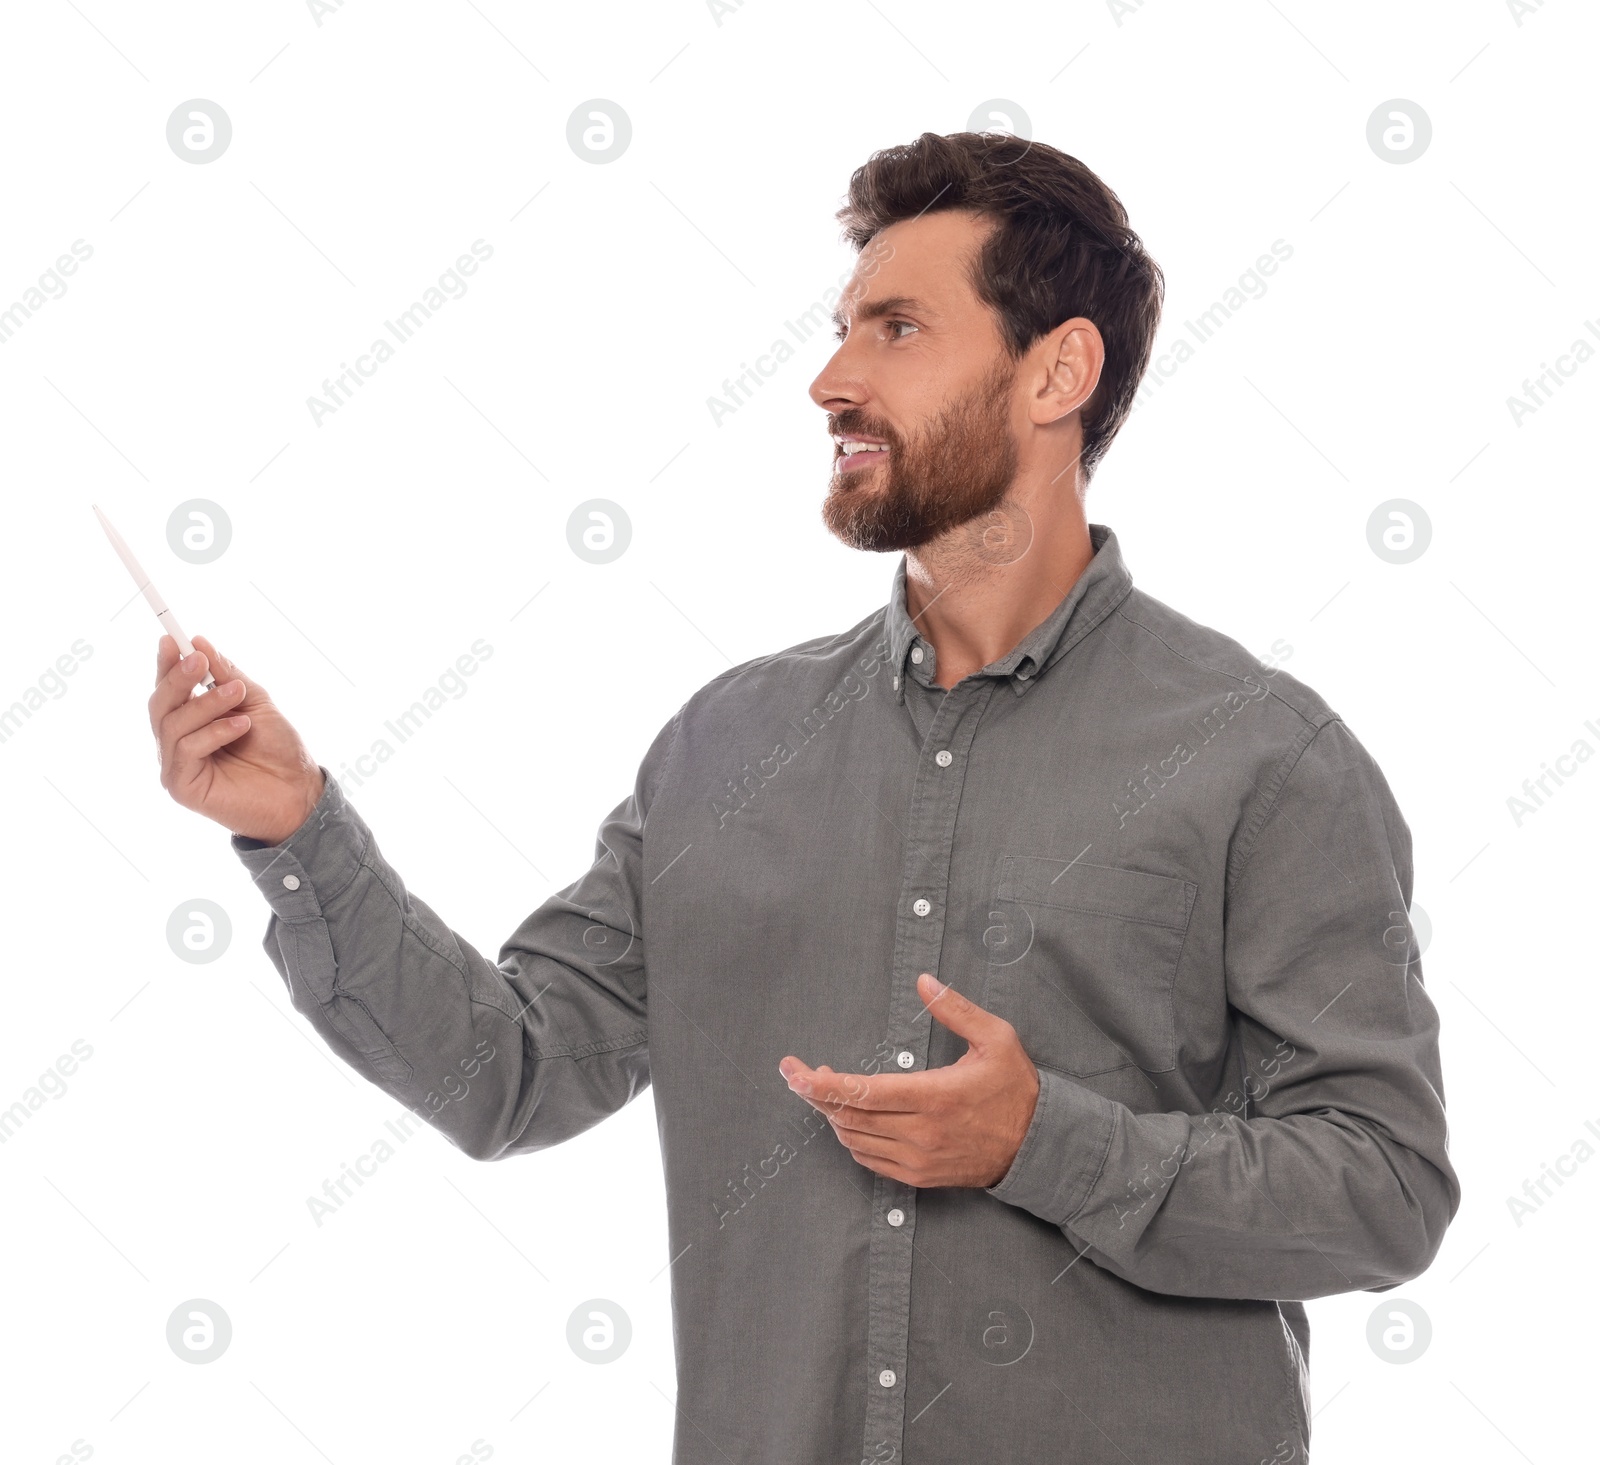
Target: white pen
[{"x": 157, "y": 604}]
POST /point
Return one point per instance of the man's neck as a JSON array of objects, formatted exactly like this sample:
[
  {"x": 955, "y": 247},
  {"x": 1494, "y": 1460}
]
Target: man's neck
[{"x": 977, "y": 591}]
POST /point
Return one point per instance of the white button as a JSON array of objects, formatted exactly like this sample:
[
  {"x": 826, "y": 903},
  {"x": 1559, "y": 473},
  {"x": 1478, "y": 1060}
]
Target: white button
[
  {"x": 906, "y": 1058},
  {"x": 916, "y": 656},
  {"x": 944, "y": 757},
  {"x": 291, "y": 882},
  {"x": 921, "y": 907},
  {"x": 896, "y": 1217},
  {"x": 897, "y": 684},
  {"x": 886, "y": 1378}
]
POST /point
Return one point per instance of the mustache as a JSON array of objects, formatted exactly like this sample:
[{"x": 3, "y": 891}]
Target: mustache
[{"x": 848, "y": 423}]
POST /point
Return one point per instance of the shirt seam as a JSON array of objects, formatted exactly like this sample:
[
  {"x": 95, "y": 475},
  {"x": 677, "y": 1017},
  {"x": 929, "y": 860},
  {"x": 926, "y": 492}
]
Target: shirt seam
[
  {"x": 816, "y": 643},
  {"x": 1267, "y": 803},
  {"x": 661, "y": 778},
  {"x": 1321, "y": 720}
]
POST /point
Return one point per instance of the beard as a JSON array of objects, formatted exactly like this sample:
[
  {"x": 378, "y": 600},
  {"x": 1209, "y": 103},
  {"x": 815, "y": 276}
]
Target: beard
[{"x": 957, "y": 470}]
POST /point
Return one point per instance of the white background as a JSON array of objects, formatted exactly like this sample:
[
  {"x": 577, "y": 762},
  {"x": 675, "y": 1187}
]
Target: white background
[{"x": 371, "y": 550}]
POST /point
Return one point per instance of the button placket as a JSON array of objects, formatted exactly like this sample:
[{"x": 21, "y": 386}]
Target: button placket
[{"x": 925, "y": 881}]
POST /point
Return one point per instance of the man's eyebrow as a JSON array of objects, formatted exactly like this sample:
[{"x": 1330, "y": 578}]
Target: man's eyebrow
[{"x": 877, "y": 309}]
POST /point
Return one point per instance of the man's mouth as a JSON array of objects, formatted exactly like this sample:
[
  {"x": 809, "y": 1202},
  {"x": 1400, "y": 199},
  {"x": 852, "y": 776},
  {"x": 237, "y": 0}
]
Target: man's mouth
[{"x": 856, "y": 452}]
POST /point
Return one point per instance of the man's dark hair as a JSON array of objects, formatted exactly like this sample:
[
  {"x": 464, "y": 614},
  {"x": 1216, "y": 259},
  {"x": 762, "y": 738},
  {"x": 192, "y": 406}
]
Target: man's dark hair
[{"x": 1062, "y": 248}]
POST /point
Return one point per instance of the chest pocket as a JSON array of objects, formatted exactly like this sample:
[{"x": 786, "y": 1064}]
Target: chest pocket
[{"x": 1082, "y": 960}]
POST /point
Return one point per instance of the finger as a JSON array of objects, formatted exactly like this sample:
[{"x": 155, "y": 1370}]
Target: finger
[
  {"x": 878, "y": 1123},
  {"x": 960, "y": 1014},
  {"x": 880, "y": 1166},
  {"x": 193, "y": 750},
  {"x": 225, "y": 668},
  {"x": 176, "y": 682},
  {"x": 868, "y": 1148},
  {"x": 907, "y": 1093},
  {"x": 198, "y": 712}
]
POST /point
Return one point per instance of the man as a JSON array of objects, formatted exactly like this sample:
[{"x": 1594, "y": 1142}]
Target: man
[{"x": 1017, "y": 971}]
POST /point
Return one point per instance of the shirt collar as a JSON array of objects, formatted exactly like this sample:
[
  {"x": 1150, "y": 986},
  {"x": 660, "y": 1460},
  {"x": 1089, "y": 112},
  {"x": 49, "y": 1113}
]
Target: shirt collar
[{"x": 1103, "y": 585}]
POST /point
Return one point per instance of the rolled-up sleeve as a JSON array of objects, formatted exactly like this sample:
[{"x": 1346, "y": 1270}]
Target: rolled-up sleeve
[
  {"x": 501, "y": 1056},
  {"x": 1324, "y": 1168}
]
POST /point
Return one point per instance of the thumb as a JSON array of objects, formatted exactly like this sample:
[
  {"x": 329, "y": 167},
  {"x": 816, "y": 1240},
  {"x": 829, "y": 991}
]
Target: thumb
[{"x": 960, "y": 1014}]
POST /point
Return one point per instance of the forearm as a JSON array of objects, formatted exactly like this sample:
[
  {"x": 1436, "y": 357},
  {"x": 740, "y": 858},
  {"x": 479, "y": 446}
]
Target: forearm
[
  {"x": 1217, "y": 1205},
  {"x": 469, "y": 1046}
]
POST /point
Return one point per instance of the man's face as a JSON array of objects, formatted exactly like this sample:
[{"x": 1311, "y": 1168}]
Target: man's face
[{"x": 919, "y": 393}]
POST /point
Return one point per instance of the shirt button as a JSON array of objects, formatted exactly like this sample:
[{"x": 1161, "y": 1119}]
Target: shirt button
[
  {"x": 916, "y": 656},
  {"x": 291, "y": 882},
  {"x": 886, "y": 1378},
  {"x": 905, "y": 1058},
  {"x": 944, "y": 757},
  {"x": 921, "y": 907},
  {"x": 896, "y": 1217}
]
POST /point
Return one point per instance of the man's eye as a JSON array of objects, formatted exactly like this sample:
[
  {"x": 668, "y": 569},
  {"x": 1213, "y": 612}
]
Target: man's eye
[{"x": 896, "y": 323}]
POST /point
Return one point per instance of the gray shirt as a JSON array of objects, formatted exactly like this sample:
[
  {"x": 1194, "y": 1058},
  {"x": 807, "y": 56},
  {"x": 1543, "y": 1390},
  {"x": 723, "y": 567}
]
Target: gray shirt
[{"x": 1174, "y": 870}]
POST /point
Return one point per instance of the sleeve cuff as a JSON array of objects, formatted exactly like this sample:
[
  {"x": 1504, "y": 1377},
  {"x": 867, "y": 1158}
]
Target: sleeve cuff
[
  {"x": 1056, "y": 1167},
  {"x": 320, "y": 858}
]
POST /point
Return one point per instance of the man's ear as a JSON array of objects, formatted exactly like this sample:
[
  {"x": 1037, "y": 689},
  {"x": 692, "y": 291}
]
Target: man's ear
[{"x": 1071, "y": 358}]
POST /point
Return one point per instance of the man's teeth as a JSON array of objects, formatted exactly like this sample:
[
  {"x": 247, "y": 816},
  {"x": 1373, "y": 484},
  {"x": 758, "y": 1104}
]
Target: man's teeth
[{"x": 850, "y": 445}]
